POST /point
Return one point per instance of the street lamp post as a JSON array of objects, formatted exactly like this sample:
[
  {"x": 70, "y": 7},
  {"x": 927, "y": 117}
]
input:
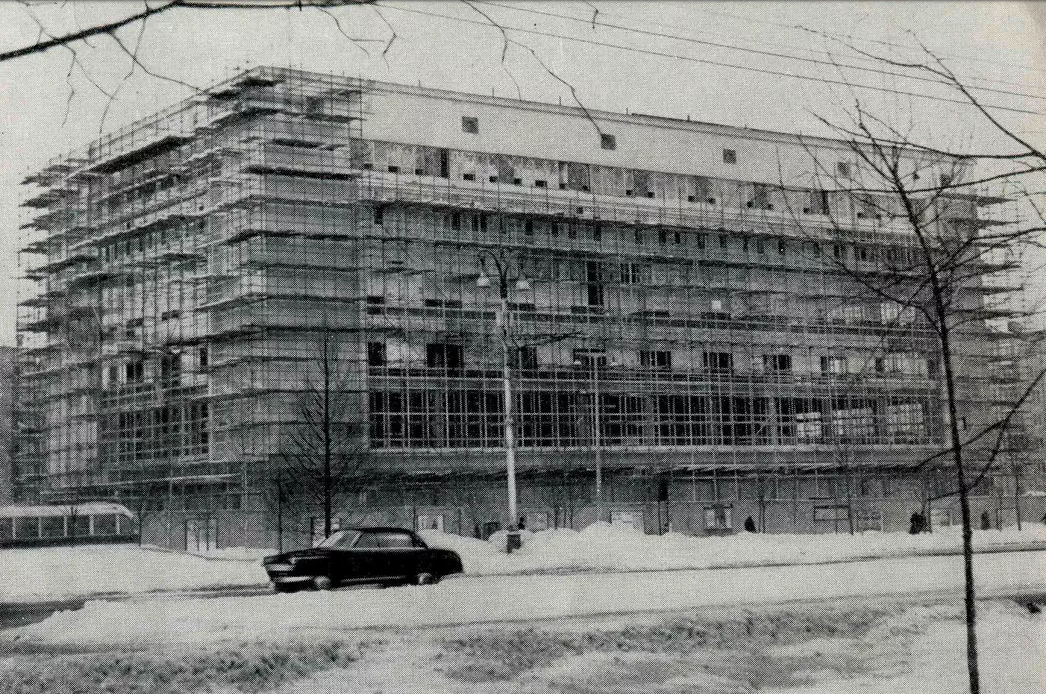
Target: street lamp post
[
  {"x": 597, "y": 430},
  {"x": 512, "y": 541}
]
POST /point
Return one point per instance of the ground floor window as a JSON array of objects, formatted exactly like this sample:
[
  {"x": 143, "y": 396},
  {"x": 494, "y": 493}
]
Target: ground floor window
[{"x": 719, "y": 517}]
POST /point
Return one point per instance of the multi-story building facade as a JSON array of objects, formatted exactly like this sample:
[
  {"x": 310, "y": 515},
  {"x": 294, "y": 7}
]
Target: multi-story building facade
[{"x": 679, "y": 321}]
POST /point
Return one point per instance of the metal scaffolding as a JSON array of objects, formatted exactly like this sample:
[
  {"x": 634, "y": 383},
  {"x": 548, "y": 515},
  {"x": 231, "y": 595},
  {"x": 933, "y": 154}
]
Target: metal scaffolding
[{"x": 186, "y": 265}]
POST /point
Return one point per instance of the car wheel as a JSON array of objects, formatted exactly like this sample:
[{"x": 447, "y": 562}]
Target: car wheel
[
  {"x": 322, "y": 583},
  {"x": 283, "y": 588},
  {"x": 426, "y": 579}
]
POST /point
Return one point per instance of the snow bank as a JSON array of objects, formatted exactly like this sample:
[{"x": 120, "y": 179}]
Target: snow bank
[
  {"x": 57, "y": 573},
  {"x": 603, "y": 547}
]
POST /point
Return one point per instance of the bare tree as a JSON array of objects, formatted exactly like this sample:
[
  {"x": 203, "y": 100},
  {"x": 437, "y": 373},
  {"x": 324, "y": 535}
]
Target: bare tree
[
  {"x": 324, "y": 459},
  {"x": 940, "y": 276}
]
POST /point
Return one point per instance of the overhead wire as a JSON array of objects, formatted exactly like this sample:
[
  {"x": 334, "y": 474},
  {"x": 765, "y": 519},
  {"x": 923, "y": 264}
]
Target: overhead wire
[
  {"x": 706, "y": 61},
  {"x": 881, "y": 42},
  {"x": 755, "y": 51}
]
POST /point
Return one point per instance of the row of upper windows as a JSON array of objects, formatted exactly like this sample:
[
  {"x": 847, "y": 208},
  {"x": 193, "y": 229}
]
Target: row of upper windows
[
  {"x": 503, "y": 169},
  {"x": 479, "y": 223},
  {"x": 470, "y": 125}
]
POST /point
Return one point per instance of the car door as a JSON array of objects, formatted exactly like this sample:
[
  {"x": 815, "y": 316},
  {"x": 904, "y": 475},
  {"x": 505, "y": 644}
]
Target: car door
[
  {"x": 367, "y": 559},
  {"x": 401, "y": 555}
]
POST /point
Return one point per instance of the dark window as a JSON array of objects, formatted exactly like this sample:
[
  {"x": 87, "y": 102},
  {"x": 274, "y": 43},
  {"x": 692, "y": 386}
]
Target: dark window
[
  {"x": 134, "y": 372},
  {"x": 843, "y": 169},
  {"x": 470, "y": 124},
  {"x": 729, "y": 156},
  {"x": 379, "y": 216},
  {"x": 781, "y": 246},
  {"x": 594, "y": 277},
  {"x": 204, "y": 357},
  {"x": 528, "y": 227},
  {"x": 469, "y": 176},
  {"x": 655, "y": 359},
  {"x": 394, "y": 169},
  {"x": 367, "y": 541},
  {"x": 376, "y": 355},
  {"x": 718, "y": 361},
  {"x": 493, "y": 179},
  {"x": 607, "y": 141},
  {"x": 779, "y": 363},
  {"x": 541, "y": 184},
  {"x": 444, "y": 356},
  {"x": 589, "y": 359},
  {"x": 455, "y": 221},
  {"x": 526, "y": 358}
]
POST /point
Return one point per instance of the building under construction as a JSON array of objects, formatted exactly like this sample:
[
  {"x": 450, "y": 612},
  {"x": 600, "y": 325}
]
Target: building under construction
[{"x": 680, "y": 314}]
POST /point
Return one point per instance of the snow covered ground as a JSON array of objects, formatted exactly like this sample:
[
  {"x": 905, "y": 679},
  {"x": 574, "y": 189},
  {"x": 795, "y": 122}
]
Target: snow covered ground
[
  {"x": 931, "y": 657},
  {"x": 474, "y": 599},
  {"x": 56, "y": 573},
  {"x": 911, "y": 649}
]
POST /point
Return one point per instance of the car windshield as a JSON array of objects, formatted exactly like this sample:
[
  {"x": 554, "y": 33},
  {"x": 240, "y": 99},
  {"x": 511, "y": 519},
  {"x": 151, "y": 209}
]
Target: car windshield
[{"x": 341, "y": 539}]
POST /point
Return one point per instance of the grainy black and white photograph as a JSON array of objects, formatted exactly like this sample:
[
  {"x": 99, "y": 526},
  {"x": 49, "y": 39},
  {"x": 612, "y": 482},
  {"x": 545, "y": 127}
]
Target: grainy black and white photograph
[{"x": 490, "y": 346}]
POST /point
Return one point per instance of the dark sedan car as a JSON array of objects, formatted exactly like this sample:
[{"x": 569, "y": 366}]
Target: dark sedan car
[{"x": 389, "y": 556}]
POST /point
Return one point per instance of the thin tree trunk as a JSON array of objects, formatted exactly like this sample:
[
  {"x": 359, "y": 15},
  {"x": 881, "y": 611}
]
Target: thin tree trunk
[{"x": 964, "y": 498}]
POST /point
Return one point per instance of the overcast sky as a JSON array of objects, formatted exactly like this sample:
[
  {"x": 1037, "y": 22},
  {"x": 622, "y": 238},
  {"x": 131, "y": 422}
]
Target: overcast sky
[{"x": 726, "y": 63}]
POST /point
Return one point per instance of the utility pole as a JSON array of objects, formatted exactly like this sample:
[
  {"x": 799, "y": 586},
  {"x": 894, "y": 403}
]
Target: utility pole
[{"x": 500, "y": 264}]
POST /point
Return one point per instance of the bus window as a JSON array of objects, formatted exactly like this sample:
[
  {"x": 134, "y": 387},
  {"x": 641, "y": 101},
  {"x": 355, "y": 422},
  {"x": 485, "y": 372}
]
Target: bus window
[
  {"x": 105, "y": 525},
  {"x": 27, "y": 528},
  {"x": 53, "y": 526},
  {"x": 81, "y": 525},
  {"x": 5, "y": 529}
]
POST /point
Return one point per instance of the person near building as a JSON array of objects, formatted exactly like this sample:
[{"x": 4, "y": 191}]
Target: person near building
[{"x": 749, "y": 525}]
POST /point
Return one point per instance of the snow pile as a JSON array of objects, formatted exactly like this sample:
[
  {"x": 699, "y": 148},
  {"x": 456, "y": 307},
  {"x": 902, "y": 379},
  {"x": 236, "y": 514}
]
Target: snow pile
[
  {"x": 56, "y": 573},
  {"x": 603, "y": 547}
]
